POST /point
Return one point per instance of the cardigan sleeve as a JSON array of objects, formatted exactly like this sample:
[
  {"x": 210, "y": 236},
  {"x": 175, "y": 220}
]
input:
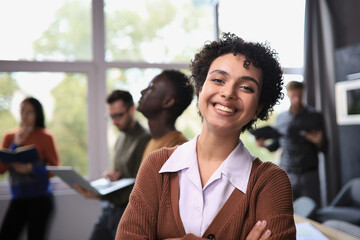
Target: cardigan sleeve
[
  {"x": 274, "y": 202},
  {"x": 139, "y": 220}
]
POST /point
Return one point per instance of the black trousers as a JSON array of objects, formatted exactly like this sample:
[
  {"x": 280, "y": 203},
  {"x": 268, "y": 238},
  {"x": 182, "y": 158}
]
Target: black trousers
[
  {"x": 306, "y": 184},
  {"x": 34, "y": 213},
  {"x": 106, "y": 226}
]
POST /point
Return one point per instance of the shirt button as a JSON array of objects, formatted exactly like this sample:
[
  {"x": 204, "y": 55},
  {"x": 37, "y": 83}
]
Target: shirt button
[
  {"x": 198, "y": 210},
  {"x": 210, "y": 236}
]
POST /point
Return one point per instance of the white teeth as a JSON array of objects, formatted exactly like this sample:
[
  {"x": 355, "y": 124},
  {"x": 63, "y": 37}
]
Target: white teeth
[{"x": 225, "y": 109}]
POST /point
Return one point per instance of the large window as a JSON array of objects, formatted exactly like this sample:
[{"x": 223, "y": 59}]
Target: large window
[
  {"x": 70, "y": 54},
  {"x": 44, "y": 30},
  {"x": 278, "y": 22},
  {"x": 162, "y": 31}
]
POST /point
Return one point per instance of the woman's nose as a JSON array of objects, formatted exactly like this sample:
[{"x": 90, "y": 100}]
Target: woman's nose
[{"x": 229, "y": 92}]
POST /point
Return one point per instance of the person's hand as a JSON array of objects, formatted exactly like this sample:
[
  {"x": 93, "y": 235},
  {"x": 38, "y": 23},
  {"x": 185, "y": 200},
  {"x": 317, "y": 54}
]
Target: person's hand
[
  {"x": 112, "y": 175},
  {"x": 86, "y": 193},
  {"x": 21, "y": 135},
  {"x": 258, "y": 232},
  {"x": 260, "y": 142},
  {"x": 316, "y": 137},
  {"x": 22, "y": 168}
]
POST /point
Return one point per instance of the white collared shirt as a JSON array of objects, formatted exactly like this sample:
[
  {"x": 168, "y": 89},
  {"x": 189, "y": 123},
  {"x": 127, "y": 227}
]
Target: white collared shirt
[{"x": 199, "y": 205}]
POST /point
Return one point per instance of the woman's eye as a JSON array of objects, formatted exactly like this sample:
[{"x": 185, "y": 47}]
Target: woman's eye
[
  {"x": 217, "y": 80},
  {"x": 247, "y": 88}
]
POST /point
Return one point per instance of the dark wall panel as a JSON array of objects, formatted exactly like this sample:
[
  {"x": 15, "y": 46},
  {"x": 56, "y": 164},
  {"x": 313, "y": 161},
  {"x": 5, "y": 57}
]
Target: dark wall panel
[{"x": 348, "y": 62}]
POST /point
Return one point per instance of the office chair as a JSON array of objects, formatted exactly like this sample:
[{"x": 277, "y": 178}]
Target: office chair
[
  {"x": 304, "y": 206},
  {"x": 345, "y": 206}
]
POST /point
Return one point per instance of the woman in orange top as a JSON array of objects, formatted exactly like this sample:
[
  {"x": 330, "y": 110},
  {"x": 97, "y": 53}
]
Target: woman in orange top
[{"x": 31, "y": 202}]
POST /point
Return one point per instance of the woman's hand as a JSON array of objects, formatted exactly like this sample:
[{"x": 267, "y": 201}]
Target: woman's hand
[
  {"x": 23, "y": 168},
  {"x": 258, "y": 232}
]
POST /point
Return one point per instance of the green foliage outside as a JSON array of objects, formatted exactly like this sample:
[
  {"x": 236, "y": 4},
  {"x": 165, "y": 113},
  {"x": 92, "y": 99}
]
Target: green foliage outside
[
  {"x": 174, "y": 30},
  {"x": 69, "y": 35},
  {"x": 8, "y": 86},
  {"x": 69, "y": 123},
  {"x": 7, "y": 121}
]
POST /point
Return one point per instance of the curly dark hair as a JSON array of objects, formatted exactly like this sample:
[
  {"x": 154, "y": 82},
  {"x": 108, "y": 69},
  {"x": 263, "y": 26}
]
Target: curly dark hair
[{"x": 257, "y": 54}]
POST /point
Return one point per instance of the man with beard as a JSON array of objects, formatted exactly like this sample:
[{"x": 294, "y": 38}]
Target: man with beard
[{"x": 129, "y": 149}]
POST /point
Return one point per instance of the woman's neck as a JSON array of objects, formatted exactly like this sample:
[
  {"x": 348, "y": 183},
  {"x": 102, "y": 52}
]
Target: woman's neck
[
  {"x": 214, "y": 146},
  {"x": 212, "y": 149}
]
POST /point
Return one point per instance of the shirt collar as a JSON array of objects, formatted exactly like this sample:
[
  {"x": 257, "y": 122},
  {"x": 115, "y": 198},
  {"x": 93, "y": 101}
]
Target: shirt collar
[
  {"x": 180, "y": 158},
  {"x": 236, "y": 167}
]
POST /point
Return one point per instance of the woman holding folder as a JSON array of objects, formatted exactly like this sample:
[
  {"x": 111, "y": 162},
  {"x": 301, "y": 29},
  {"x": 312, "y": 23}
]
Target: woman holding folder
[{"x": 31, "y": 202}]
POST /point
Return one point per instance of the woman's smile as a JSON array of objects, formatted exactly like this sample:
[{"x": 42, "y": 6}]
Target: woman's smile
[{"x": 225, "y": 108}]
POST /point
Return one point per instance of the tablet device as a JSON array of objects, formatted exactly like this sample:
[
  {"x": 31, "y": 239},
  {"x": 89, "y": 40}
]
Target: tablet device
[{"x": 101, "y": 186}]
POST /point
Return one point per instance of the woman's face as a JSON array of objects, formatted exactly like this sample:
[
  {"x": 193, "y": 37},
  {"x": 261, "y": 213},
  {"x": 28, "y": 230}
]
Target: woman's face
[
  {"x": 28, "y": 115},
  {"x": 229, "y": 98}
]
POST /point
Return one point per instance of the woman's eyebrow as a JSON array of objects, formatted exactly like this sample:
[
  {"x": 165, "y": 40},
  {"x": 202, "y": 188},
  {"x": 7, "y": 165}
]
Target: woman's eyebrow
[
  {"x": 247, "y": 78},
  {"x": 219, "y": 71}
]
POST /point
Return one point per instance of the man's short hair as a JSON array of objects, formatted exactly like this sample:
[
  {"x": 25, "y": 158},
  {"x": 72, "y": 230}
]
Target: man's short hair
[
  {"x": 292, "y": 85},
  {"x": 125, "y": 96},
  {"x": 184, "y": 90}
]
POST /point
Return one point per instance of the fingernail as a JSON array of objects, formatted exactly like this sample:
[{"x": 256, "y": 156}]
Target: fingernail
[
  {"x": 268, "y": 232},
  {"x": 263, "y": 223},
  {"x": 258, "y": 223}
]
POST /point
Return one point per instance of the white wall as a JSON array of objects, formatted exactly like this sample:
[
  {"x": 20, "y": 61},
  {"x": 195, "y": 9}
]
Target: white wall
[{"x": 73, "y": 218}]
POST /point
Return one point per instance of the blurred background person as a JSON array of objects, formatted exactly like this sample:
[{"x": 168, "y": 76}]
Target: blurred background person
[
  {"x": 302, "y": 137},
  {"x": 129, "y": 149},
  {"x": 162, "y": 102},
  {"x": 32, "y": 201}
]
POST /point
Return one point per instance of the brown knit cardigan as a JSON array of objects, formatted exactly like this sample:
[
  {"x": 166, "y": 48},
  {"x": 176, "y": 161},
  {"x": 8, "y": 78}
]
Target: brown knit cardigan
[{"x": 153, "y": 209}]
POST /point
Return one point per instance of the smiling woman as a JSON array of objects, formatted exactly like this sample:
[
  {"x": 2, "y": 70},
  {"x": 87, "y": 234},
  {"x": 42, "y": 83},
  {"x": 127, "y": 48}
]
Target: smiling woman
[
  {"x": 230, "y": 94},
  {"x": 213, "y": 179}
]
